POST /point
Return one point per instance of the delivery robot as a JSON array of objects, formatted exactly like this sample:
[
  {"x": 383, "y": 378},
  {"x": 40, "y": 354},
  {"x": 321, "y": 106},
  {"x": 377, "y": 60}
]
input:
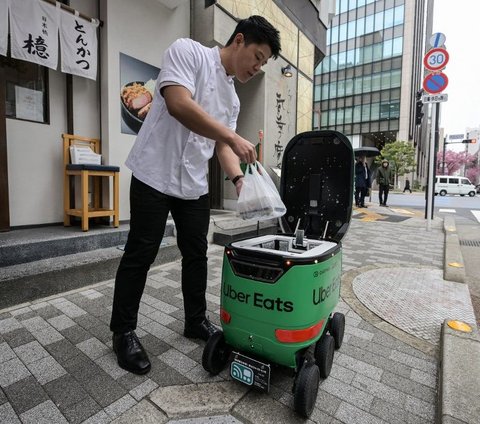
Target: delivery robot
[{"x": 278, "y": 292}]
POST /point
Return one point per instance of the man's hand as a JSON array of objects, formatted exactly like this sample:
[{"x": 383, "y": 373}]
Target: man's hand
[{"x": 244, "y": 149}]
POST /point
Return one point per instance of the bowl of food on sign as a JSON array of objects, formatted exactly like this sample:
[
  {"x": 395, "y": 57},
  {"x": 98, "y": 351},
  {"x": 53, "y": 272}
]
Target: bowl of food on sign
[{"x": 136, "y": 99}]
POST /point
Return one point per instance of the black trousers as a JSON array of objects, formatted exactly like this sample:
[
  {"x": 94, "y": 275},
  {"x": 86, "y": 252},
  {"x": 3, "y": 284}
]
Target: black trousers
[
  {"x": 383, "y": 190},
  {"x": 148, "y": 216},
  {"x": 360, "y": 193}
]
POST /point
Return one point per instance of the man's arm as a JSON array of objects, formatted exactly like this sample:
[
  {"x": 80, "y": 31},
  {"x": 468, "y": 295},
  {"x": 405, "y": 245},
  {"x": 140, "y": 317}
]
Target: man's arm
[
  {"x": 229, "y": 163},
  {"x": 189, "y": 113}
]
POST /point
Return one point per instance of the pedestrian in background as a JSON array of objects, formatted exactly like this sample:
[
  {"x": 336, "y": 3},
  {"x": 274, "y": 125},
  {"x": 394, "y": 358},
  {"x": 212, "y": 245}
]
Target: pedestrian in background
[
  {"x": 407, "y": 186},
  {"x": 362, "y": 181},
  {"x": 383, "y": 181},
  {"x": 194, "y": 113}
]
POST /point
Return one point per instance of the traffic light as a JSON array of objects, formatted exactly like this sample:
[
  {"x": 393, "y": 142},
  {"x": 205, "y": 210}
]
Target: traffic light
[
  {"x": 419, "y": 108},
  {"x": 470, "y": 141}
]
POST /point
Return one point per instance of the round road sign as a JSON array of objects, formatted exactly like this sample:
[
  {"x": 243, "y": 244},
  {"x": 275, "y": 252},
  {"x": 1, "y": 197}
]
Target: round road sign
[
  {"x": 436, "y": 59},
  {"x": 435, "y": 83}
]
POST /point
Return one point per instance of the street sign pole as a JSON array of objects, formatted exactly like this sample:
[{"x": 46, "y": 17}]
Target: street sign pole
[{"x": 431, "y": 162}]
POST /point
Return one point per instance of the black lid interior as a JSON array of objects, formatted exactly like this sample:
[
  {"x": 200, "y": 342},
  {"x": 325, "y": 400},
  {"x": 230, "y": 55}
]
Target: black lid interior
[{"x": 317, "y": 184}]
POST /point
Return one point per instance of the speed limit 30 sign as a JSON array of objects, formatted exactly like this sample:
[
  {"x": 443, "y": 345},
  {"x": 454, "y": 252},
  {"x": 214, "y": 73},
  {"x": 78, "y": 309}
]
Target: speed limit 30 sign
[{"x": 436, "y": 59}]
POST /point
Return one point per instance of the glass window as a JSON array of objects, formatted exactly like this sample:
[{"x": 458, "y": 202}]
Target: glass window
[
  {"x": 375, "y": 111},
  {"x": 376, "y": 82},
  {"x": 377, "y": 52},
  {"x": 387, "y": 49},
  {"x": 389, "y": 18},
  {"x": 368, "y": 25},
  {"x": 396, "y": 78},
  {"x": 357, "y": 110},
  {"x": 453, "y": 181},
  {"x": 465, "y": 181},
  {"x": 365, "y": 112},
  {"x": 398, "y": 13},
  {"x": 26, "y": 95},
  {"x": 348, "y": 115},
  {"x": 397, "y": 46},
  {"x": 379, "y": 21},
  {"x": 351, "y": 30},
  {"x": 443, "y": 180},
  {"x": 342, "y": 31},
  {"x": 324, "y": 119},
  {"x": 386, "y": 78}
]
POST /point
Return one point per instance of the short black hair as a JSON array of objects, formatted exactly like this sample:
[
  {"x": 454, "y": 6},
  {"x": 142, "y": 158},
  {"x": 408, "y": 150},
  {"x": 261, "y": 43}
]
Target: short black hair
[{"x": 256, "y": 29}]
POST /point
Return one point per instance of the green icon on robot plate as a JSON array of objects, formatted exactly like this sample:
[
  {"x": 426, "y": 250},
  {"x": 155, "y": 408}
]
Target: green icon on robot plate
[{"x": 241, "y": 373}]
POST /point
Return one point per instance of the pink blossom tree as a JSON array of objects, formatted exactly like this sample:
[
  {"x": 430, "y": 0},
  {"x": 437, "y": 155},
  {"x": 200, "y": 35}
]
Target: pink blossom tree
[{"x": 455, "y": 161}]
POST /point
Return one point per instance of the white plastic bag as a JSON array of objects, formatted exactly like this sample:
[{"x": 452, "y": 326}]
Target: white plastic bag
[{"x": 259, "y": 198}]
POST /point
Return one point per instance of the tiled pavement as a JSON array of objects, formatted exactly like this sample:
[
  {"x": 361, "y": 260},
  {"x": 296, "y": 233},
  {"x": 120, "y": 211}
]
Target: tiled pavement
[{"x": 56, "y": 363}]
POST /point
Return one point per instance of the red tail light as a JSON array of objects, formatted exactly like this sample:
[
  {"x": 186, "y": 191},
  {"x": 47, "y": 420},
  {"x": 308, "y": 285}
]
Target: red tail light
[
  {"x": 297, "y": 336},
  {"x": 225, "y": 316}
]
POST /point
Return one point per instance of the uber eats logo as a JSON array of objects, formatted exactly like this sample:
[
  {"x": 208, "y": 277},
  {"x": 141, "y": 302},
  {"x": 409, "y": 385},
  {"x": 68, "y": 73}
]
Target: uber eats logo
[
  {"x": 321, "y": 294},
  {"x": 258, "y": 300}
]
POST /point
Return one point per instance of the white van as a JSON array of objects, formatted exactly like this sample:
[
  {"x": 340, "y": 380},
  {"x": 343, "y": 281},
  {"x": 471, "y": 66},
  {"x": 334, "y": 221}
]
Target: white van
[{"x": 447, "y": 184}]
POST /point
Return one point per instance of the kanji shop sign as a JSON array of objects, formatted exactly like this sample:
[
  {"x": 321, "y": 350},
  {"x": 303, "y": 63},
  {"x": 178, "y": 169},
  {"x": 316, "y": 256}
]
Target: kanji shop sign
[
  {"x": 34, "y": 32},
  {"x": 78, "y": 41}
]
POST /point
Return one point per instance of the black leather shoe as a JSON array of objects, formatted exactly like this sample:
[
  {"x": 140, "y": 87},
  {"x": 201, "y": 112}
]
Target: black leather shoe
[
  {"x": 131, "y": 355},
  {"x": 200, "y": 331}
]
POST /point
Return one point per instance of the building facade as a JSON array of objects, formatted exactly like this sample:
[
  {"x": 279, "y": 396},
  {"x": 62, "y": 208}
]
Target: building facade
[
  {"x": 132, "y": 39},
  {"x": 366, "y": 86}
]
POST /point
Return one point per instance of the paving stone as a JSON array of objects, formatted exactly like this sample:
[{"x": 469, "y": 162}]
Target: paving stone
[
  {"x": 427, "y": 379},
  {"x": 388, "y": 412},
  {"x": 31, "y": 352},
  {"x": 153, "y": 345},
  {"x": 70, "y": 309},
  {"x": 25, "y": 394},
  {"x": 379, "y": 390},
  {"x": 144, "y": 412},
  {"x": 99, "y": 418},
  {"x": 181, "y": 343},
  {"x": 87, "y": 321},
  {"x": 118, "y": 407},
  {"x": 351, "y": 414},
  {"x": 46, "y": 369},
  {"x": 12, "y": 371},
  {"x": 104, "y": 389},
  {"x": 347, "y": 393},
  {"x": 420, "y": 407},
  {"x": 9, "y": 324},
  {"x": 93, "y": 348},
  {"x": 47, "y": 312},
  {"x": 414, "y": 362},
  {"x": 327, "y": 402},
  {"x": 63, "y": 350},
  {"x": 178, "y": 361},
  {"x": 410, "y": 387},
  {"x": 61, "y": 322},
  {"x": 101, "y": 332},
  {"x": 129, "y": 380},
  {"x": 76, "y": 334},
  {"x": 65, "y": 391},
  {"x": 7, "y": 414},
  {"x": 3, "y": 397},
  {"x": 45, "y": 413},
  {"x": 199, "y": 375},
  {"x": 6, "y": 352},
  {"x": 358, "y": 366},
  {"x": 18, "y": 337},
  {"x": 81, "y": 411},
  {"x": 109, "y": 364},
  {"x": 164, "y": 375},
  {"x": 143, "y": 389},
  {"x": 219, "y": 419}
]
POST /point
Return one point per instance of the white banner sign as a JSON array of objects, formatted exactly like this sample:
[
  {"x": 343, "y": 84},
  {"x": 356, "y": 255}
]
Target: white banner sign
[
  {"x": 78, "y": 42},
  {"x": 34, "y": 31},
  {"x": 3, "y": 27}
]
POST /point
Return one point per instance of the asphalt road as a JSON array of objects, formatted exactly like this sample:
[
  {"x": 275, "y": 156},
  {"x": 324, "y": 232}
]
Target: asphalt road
[{"x": 466, "y": 209}]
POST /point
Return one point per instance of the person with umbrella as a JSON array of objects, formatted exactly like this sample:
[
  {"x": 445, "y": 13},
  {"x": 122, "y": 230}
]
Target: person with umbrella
[{"x": 362, "y": 181}]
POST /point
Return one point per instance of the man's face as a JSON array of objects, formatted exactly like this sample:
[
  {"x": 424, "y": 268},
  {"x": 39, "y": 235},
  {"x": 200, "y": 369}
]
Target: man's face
[
  {"x": 385, "y": 164},
  {"x": 250, "y": 59}
]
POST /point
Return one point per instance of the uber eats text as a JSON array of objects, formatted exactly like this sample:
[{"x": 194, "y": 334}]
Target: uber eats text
[{"x": 258, "y": 300}]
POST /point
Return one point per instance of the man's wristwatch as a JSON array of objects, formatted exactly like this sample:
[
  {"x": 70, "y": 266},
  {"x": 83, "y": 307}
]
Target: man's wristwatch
[{"x": 235, "y": 179}]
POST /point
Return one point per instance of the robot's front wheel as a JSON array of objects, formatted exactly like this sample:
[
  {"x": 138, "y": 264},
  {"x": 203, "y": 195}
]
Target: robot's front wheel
[
  {"x": 306, "y": 389},
  {"x": 324, "y": 350},
  {"x": 215, "y": 354},
  {"x": 337, "y": 328}
]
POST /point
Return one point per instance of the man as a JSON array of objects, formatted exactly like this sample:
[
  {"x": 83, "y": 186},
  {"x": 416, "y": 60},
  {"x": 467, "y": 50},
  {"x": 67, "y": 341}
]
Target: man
[
  {"x": 362, "y": 181},
  {"x": 194, "y": 111},
  {"x": 383, "y": 180}
]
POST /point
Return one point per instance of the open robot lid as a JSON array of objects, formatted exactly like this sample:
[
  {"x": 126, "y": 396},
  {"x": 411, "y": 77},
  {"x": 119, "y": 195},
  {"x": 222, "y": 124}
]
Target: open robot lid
[{"x": 317, "y": 184}]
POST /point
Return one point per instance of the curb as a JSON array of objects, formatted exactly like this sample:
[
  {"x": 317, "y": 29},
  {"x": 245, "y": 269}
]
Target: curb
[
  {"x": 453, "y": 265},
  {"x": 458, "y": 376}
]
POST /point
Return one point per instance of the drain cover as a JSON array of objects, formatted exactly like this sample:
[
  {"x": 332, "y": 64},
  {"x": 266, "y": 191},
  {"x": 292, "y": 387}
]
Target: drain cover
[{"x": 472, "y": 243}]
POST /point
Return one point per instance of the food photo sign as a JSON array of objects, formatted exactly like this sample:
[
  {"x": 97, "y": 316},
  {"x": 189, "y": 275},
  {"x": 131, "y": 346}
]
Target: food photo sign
[{"x": 137, "y": 85}]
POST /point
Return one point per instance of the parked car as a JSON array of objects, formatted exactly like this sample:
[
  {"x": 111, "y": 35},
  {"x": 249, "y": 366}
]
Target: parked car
[{"x": 478, "y": 188}]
